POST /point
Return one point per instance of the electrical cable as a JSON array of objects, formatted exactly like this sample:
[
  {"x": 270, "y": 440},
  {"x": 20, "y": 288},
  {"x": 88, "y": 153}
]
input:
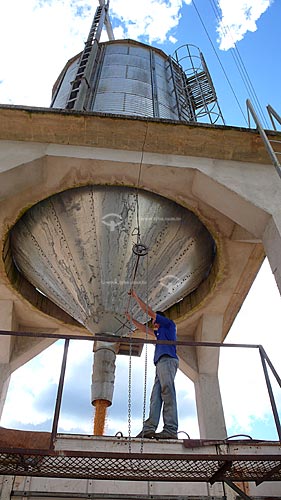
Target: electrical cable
[
  {"x": 240, "y": 64},
  {"x": 138, "y": 246},
  {"x": 224, "y": 72},
  {"x": 138, "y": 182},
  {"x": 139, "y": 250}
]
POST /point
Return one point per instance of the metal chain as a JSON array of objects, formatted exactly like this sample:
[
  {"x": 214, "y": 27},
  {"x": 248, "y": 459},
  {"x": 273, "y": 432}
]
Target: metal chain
[
  {"x": 139, "y": 250},
  {"x": 145, "y": 357},
  {"x": 130, "y": 389}
]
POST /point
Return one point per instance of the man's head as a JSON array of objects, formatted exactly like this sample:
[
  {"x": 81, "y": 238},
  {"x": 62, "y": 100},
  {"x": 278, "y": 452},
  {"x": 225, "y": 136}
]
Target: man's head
[
  {"x": 155, "y": 324},
  {"x": 161, "y": 313}
]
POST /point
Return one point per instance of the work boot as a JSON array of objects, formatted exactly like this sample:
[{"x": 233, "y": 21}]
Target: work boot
[
  {"x": 165, "y": 435},
  {"x": 146, "y": 434}
]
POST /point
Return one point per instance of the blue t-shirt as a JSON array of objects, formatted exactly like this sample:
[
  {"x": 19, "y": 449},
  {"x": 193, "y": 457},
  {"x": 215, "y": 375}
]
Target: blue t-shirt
[{"x": 166, "y": 331}]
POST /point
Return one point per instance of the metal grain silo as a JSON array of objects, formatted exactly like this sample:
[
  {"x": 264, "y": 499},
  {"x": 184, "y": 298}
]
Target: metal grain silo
[{"x": 129, "y": 78}]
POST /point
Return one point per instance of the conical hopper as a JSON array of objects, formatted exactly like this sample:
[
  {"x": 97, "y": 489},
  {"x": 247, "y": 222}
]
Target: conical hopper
[{"x": 76, "y": 248}]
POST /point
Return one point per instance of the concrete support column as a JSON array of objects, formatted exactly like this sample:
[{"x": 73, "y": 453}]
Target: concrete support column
[
  {"x": 272, "y": 246},
  {"x": 7, "y": 322},
  {"x": 6, "y": 487},
  {"x": 208, "y": 397},
  {"x": 5, "y": 374}
]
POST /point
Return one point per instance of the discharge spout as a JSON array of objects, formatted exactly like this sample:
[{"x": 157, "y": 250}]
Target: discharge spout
[{"x": 102, "y": 382}]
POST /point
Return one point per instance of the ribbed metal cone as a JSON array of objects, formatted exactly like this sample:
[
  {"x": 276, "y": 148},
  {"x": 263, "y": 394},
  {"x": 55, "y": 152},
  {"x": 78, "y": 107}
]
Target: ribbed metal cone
[{"x": 76, "y": 248}]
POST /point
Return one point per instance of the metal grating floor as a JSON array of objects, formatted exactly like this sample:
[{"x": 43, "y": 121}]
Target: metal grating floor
[{"x": 140, "y": 466}]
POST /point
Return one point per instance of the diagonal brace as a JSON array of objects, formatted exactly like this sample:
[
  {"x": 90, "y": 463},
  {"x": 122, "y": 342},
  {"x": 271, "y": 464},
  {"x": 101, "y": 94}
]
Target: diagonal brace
[
  {"x": 237, "y": 489},
  {"x": 218, "y": 476},
  {"x": 269, "y": 474}
]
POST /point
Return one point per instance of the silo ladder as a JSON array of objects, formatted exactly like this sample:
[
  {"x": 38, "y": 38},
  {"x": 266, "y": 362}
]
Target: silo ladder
[{"x": 93, "y": 36}]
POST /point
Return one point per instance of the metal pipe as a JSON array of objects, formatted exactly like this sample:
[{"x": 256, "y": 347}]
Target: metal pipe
[
  {"x": 107, "y": 22},
  {"x": 114, "y": 339},
  {"x": 103, "y": 372},
  {"x": 270, "y": 365},
  {"x": 264, "y": 137},
  {"x": 235, "y": 488},
  {"x": 273, "y": 113},
  {"x": 271, "y": 395},
  {"x": 59, "y": 394}
]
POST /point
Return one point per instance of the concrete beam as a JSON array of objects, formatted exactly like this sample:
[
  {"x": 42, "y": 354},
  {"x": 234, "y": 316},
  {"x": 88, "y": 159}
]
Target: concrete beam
[{"x": 47, "y": 125}]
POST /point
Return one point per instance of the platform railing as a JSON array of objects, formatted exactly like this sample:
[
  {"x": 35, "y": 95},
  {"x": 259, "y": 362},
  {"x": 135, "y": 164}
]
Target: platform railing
[{"x": 267, "y": 365}]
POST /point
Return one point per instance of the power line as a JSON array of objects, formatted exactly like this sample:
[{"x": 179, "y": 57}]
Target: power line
[
  {"x": 225, "y": 74},
  {"x": 240, "y": 64}
]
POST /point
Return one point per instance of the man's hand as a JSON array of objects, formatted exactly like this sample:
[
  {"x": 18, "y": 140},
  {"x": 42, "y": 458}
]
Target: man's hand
[
  {"x": 145, "y": 307},
  {"x": 133, "y": 293},
  {"x": 139, "y": 325}
]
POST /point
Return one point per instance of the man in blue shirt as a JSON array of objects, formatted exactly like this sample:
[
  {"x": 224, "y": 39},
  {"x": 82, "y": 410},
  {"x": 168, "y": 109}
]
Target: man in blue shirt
[{"x": 166, "y": 363}]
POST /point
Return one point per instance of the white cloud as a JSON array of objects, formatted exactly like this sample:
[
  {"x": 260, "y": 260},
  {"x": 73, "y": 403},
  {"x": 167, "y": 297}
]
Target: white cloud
[
  {"x": 27, "y": 383},
  {"x": 37, "y": 43},
  {"x": 45, "y": 34},
  {"x": 148, "y": 19},
  {"x": 172, "y": 39},
  {"x": 237, "y": 18},
  {"x": 244, "y": 393}
]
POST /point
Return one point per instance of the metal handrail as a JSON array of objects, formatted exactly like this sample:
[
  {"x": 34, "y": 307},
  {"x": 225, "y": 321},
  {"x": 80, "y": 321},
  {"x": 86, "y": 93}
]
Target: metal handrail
[
  {"x": 274, "y": 114},
  {"x": 266, "y": 363},
  {"x": 270, "y": 150}
]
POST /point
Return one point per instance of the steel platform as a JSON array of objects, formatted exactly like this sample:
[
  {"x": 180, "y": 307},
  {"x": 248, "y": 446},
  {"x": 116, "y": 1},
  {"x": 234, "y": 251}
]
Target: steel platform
[{"x": 186, "y": 460}]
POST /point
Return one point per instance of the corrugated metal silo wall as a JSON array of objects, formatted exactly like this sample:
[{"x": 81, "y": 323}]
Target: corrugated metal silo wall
[{"x": 131, "y": 79}]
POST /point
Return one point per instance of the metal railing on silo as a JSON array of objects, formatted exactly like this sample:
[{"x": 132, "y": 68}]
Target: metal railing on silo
[{"x": 196, "y": 95}]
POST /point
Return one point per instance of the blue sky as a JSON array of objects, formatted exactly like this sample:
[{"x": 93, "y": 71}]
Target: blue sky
[{"x": 48, "y": 34}]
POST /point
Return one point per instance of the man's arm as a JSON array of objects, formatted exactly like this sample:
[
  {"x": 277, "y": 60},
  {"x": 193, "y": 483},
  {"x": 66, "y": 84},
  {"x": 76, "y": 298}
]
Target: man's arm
[
  {"x": 140, "y": 326},
  {"x": 145, "y": 307}
]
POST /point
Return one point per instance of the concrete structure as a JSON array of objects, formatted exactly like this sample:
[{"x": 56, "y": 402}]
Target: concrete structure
[
  {"x": 217, "y": 172},
  {"x": 220, "y": 174}
]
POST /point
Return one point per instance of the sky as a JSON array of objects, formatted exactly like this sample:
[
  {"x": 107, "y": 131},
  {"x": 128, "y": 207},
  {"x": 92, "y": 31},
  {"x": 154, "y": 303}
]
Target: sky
[{"x": 238, "y": 40}]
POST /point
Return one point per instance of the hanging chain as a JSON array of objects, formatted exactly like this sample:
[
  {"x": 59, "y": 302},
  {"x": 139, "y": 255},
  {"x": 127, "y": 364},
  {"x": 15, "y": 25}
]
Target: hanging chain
[
  {"x": 139, "y": 250},
  {"x": 130, "y": 388},
  {"x": 145, "y": 357}
]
